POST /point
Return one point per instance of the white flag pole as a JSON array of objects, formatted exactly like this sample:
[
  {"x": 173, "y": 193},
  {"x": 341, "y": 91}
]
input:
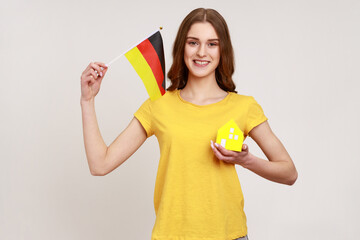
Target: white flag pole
[{"x": 115, "y": 59}]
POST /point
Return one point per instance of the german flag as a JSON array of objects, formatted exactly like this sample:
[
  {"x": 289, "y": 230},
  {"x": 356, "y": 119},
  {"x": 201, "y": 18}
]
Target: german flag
[{"x": 147, "y": 58}]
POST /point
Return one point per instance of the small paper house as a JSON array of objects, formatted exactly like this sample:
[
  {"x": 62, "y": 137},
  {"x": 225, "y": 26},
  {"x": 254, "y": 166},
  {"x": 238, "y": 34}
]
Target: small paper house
[{"x": 230, "y": 136}]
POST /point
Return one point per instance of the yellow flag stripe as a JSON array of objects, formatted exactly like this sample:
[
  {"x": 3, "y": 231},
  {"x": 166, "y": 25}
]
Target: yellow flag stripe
[{"x": 143, "y": 69}]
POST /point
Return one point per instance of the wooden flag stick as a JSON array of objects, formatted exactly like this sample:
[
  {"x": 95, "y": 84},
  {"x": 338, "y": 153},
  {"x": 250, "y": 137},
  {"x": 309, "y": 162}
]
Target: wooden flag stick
[{"x": 115, "y": 59}]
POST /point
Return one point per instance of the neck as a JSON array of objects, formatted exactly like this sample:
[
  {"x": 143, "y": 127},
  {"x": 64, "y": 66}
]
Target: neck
[{"x": 202, "y": 88}]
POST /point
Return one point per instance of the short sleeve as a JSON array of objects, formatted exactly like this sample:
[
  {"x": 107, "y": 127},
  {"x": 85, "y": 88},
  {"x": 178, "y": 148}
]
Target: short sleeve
[
  {"x": 144, "y": 115},
  {"x": 255, "y": 116}
]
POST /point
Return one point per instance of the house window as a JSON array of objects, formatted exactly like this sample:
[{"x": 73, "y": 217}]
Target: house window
[{"x": 223, "y": 142}]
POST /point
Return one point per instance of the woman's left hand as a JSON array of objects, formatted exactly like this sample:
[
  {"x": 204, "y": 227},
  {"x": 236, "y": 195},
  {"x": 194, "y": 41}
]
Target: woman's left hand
[
  {"x": 278, "y": 168},
  {"x": 234, "y": 157}
]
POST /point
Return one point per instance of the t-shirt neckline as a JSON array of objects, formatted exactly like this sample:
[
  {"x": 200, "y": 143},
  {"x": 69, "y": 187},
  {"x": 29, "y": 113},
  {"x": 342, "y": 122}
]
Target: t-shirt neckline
[{"x": 202, "y": 106}]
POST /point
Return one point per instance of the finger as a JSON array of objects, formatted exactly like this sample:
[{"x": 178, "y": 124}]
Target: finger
[
  {"x": 93, "y": 74},
  {"x": 97, "y": 69},
  {"x": 91, "y": 80},
  {"x": 245, "y": 148},
  {"x": 219, "y": 155},
  {"x": 102, "y": 72},
  {"x": 86, "y": 78},
  {"x": 89, "y": 72},
  {"x": 105, "y": 70},
  {"x": 104, "y": 67},
  {"x": 101, "y": 64},
  {"x": 224, "y": 151},
  {"x": 87, "y": 68}
]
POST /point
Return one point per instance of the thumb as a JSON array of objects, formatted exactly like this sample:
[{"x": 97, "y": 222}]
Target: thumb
[
  {"x": 245, "y": 148},
  {"x": 105, "y": 70}
]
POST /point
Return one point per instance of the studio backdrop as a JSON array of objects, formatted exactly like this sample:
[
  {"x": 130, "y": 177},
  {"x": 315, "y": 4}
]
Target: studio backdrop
[{"x": 299, "y": 59}]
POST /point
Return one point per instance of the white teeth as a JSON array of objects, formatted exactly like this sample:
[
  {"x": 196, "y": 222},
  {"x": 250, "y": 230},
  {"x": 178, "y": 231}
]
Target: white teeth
[{"x": 201, "y": 62}]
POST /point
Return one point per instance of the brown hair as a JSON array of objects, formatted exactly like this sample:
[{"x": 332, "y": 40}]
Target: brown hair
[{"x": 178, "y": 72}]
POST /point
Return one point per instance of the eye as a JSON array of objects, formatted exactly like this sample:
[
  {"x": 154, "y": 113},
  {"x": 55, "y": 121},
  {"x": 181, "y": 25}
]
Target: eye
[
  {"x": 213, "y": 44},
  {"x": 193, "y": 43}
]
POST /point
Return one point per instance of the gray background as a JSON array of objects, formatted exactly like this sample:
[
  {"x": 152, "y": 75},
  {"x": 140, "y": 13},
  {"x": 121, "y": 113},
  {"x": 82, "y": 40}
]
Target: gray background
[{"x": 299, "y": 59}]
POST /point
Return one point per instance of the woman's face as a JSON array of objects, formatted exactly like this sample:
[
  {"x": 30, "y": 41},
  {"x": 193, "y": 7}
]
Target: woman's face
[{"x": 202, "y": 50}]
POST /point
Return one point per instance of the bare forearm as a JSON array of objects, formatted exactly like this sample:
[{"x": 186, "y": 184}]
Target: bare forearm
[
  {"x": 278, "y": 171},
  {"x": 95, "y": 146}
]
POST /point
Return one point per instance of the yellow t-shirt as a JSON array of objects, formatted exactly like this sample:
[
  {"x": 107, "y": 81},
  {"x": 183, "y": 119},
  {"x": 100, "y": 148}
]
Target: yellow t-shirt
[{"x": 197, "y": 196}]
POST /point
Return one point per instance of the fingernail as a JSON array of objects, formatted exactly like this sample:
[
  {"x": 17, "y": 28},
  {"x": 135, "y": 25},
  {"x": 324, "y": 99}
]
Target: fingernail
[
  {"x": 217, "y": 145},
  {"x": 106, "y": 65},
  {"x": 100, "y": 74},
  {"x": 101, "y": 68}
]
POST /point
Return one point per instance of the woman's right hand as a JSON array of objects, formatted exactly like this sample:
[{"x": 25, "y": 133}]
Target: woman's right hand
[{"x": 91, "y": 80}]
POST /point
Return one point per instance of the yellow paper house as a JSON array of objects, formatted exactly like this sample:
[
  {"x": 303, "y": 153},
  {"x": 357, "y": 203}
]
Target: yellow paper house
[{"x": 230, "y": 136}]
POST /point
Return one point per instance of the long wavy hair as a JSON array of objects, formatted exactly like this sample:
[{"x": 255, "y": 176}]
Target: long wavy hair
[{"x": 178, "y": 73}]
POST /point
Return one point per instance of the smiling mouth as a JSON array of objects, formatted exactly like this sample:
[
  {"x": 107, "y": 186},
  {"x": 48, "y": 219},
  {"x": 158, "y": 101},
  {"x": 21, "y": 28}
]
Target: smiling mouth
[{"x": 201, "y": 63}]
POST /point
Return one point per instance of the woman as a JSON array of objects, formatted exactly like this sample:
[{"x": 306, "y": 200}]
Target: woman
[{"x": 197, "y": 191}]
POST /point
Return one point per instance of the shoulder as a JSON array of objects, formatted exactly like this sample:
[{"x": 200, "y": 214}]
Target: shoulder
[
  {"x": 246, "y": 103},
  {"x": 167, "y": 98},
  {"x": 243, "y": 99}
]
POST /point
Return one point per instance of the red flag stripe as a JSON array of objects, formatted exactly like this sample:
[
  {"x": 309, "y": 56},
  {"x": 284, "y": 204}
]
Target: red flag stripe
[{"x": 151, "y": 57}]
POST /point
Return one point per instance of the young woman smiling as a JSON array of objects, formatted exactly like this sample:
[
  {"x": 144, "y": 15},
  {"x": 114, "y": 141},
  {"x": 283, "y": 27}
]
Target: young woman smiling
[{"x": 197, "y": 191}]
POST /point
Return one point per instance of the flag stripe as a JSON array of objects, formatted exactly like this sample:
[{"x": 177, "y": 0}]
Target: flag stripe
[
  {"x": 151, "y": 57},
  {"x": 156, "y": 41},
  {"x": 144, "y": 71}
]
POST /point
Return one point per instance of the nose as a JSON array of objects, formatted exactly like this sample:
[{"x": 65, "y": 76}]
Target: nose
[{"x": 201, "y": 51}]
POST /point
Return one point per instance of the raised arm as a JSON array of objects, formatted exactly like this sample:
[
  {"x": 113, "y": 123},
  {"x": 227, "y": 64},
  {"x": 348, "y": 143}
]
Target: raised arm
[
  {"x": 101, "y": 158},
  {"x": 280, "y": 167}
]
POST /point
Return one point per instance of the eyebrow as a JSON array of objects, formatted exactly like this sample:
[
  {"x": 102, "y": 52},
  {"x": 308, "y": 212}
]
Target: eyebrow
[{"x": 213, "y": 39}]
